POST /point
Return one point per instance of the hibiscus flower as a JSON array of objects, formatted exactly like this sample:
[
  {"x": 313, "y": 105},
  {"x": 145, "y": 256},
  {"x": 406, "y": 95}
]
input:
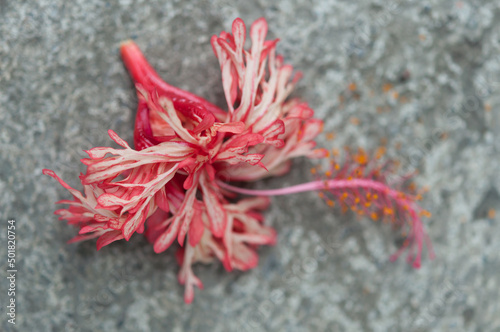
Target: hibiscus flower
[
  {"x": 184, "y": 145},
  {"x": 173, "y": 185}
]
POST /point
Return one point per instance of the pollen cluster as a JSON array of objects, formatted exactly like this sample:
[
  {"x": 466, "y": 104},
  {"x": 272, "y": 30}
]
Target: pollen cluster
[{"x": 364, "y": 184}]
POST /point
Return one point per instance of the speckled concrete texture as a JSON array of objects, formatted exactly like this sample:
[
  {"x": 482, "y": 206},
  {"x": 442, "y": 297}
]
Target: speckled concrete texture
[{"x": 422, "y": 75}]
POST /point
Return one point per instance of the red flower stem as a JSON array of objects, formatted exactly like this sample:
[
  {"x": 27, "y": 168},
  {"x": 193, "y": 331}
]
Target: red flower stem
[
  {"x": 316, "y": 185},
  {"x": 417, "y": 233}
]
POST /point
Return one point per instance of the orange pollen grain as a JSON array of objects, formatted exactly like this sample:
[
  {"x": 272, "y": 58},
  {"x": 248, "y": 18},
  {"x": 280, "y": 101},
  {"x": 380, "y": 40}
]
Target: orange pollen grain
[
  {"x": 313, "y": 171},
  {"x": 491, "y": 213},
  {"x": 374, "y": 216},
  {"x": 328, "y": 173},
  {"x": 361, "y": 159},
  {"x": 330, "y": 203},
  {"x": 355, "y": 121},
  {"x": 425, "y": 213},
  {"x": 380, "y": 152},
  {"x": 352, "y": 87},
  {"x": 387, "y": 87}
]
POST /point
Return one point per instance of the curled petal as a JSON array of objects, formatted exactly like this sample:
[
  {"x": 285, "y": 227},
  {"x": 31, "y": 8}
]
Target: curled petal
[{"x": 107, "y": 238}]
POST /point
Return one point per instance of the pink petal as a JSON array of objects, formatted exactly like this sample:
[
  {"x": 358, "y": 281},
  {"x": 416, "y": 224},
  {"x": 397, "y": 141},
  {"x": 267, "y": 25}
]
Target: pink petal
[
  {"x": 167, "y": 238},
  {"x": 244, "y": 258},
  {"x": 135, "y": 221},
  {"x": 114, "y": 136},
  {"x": 239, "y": 34},
  {"x": 108, "y": 238},
  {"x": 215, "y": 211},
  {"x": 311, "y": 129},
  {"x": 196, "y": 229}
]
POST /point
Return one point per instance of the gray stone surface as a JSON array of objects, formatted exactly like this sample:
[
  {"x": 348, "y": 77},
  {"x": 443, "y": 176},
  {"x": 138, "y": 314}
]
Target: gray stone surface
[{"x": 62, "y": 85}]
